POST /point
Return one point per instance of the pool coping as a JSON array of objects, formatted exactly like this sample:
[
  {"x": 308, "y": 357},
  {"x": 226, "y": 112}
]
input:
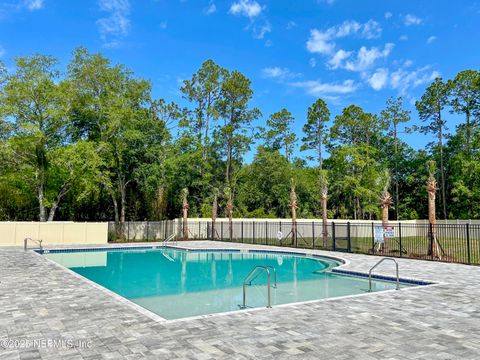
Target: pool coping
[{"x": 417, "y": 283}]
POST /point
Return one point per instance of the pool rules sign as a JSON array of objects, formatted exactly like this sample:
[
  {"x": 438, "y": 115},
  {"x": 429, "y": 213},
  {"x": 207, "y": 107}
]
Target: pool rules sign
[{"x": 383, "y": 232}]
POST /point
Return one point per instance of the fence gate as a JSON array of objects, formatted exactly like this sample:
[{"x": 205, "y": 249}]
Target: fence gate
[{"x": 341, "y": 236}]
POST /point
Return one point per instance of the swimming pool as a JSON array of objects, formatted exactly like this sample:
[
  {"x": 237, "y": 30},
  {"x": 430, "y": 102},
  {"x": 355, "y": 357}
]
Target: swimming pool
[{"x": 175, "y": 283}]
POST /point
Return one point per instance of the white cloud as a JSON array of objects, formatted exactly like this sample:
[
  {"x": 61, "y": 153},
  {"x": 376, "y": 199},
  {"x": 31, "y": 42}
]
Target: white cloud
[
  {"x": 371, "y": 30},
  {"x": 312, "y": 62},
  {"x": 403, "y": 38},
  {"x": 268, "y": 43},
  {"x": 210, "y": 9},
  {"x": 320, "y": 42},
  {"x": 337, "y": 60},
  {"x": 163, "y": 25},
  {"x": 278, "y": 73},
  {"x": 431, "y": 39},
  {"x": 248, "y": 8},
  {"x": 323, "y": 42},
  {"x": 259, "y": 33},
  {"x": 117, "y": 24},
  {"x": 410, "y": 20},
  {"x": 403, "y": 80},
  {"x": 291, "y": 25},
  {"x": 367, "y": 57},
  {"x": 317, "y": 88},
  {"x": 379, "y": 79},
  {"x": 388, "y": 15},
  {"x": 33, "y": 4}
]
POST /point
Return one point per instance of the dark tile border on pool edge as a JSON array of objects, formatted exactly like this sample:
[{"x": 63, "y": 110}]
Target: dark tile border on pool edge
[{"x": 382, "y": 277}]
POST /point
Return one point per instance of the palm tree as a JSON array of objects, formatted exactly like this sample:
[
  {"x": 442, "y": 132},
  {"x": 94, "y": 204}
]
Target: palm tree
[
  {"x": 228, "y": 194},
  {"x": 294, "y": 206},
  {"x": 324, "y": 197},
  {"x": 185, "y": 208},
  {"x": 386, "y": 201},
  {"x": 214, "y": 210},
  {"x": 431, "y": 190}
]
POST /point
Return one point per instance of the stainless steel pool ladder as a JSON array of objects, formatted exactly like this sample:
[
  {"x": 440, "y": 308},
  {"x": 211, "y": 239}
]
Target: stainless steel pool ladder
[
  {"x": 38, "y": 242},
  {"x": 378, "y": 263},
  {"x": 254, "y": 271},
  {"x": 170, "y": 238}
]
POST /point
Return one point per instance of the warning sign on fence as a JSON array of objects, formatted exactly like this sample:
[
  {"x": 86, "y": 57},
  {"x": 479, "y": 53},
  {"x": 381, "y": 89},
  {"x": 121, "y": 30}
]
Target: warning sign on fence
[
  {"x": 378, "y": 234},
  {"x": 388, "y": 231},
  {"x": 383, "y": 232}
]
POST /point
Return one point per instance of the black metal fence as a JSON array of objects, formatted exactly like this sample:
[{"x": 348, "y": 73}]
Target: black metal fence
[{"x": 456, "y": 242}]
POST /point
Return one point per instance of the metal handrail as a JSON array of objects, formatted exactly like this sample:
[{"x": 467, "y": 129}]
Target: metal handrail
[
  {"x": 170, "y": 238},
  {"x": 258, "y": 274},
  {"x": 378, "y": 263},
  {"x": 266, "y": 269},
  {"x": 38, "y": 242}
]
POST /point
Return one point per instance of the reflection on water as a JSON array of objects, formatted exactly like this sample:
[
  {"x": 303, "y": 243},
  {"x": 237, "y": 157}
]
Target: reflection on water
[{"x": 176, "y": 283}]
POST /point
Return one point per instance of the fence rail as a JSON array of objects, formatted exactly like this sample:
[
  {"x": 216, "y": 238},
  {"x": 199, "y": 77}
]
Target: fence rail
[{"x": 458, "y": 243}]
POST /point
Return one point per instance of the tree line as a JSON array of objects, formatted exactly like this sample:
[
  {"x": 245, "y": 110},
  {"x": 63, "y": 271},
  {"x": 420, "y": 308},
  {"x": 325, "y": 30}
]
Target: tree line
[{"x": 90, "y": 143}]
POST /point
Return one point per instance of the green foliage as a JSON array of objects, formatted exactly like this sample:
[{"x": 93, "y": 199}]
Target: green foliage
[
  {"x": 92, "y": 144},
  {"x": 280, "y": 134},
  {"x": 315, "y": 129}
]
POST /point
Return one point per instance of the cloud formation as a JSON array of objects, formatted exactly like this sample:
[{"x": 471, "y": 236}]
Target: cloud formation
[
  {"x": 210, "y": 9},
  {"x": 33, "y": 4},
  {"x": 410, "y": 20},
  {"x": 323, "y": 42},
  {"x": 248, "y": 8},
  {"x": 117, "y": 24},
  {"x": 317, "y": 88},
  {"x": 279, "y": 73}
]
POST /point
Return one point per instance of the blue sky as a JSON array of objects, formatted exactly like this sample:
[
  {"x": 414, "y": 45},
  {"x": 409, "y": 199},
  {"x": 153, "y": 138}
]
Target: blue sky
[{"x": 345, "y": 51}]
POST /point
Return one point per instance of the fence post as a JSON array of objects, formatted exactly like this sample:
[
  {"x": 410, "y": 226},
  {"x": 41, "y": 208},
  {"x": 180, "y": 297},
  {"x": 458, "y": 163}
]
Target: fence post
[
  {"x": 349, "y": 243},
  {"x": 266, "y": 232},
  {"x": 468, "y": 242},
  {"x": 147, "y": 231},
  {"x": 128, "y": 230},
  {"x": 400, "y": 237},
  {"x": 333, "y": 236},
  {"x": 253, "y": 231},
  {"x": 221, "y": 230},
  {"x": 373, "y": 238},
  {"x": 313, "y": 235},
  {"x": 241, "y": 228}
]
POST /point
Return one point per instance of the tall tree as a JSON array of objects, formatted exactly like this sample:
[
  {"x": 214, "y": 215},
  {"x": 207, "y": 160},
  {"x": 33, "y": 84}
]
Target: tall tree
[
  {"x": 392, "y": 116},
  {"x": 354, "y": 159},
  {"x": 430, "y": 109},
  {"x": 315, "y": 129},
  {"x": 280, "y": 135},
  {"x": 324, "y": 198},
  {"x": 112, "y": 107},
  {"x": 466, "y": 100},
  {"x": 38, "y": 147},
  {"x": 203, "y": 89},
  {"x": 233, "y": 107}
]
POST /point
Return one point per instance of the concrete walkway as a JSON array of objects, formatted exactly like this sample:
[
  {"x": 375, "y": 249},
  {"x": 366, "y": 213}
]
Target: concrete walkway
[{"x": 42, "y": 303}]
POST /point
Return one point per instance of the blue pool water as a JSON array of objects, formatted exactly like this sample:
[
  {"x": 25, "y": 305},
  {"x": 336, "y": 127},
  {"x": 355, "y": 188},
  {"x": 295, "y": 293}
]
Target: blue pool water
[{"x": 176, "y": 283}]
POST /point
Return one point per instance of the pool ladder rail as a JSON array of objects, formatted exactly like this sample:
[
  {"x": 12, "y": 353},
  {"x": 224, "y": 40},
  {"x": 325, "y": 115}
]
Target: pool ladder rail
[
  {"x": 257, "y": 270},
  {"x": 38, "y": 242},
  {"x": 169, "y": 239},
  {"x": 378, "y": 263}
]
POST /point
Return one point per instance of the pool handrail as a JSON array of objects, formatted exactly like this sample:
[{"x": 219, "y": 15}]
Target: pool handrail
[
  {"x": 267, "y": 270},
  {"x": 38, "y": 242},
  {"x": 378, "y": 263},
  {"x": 168, "y": 239}
]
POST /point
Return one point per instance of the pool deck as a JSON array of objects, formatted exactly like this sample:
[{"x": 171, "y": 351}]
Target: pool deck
[{"x": 39, "y": 300}]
